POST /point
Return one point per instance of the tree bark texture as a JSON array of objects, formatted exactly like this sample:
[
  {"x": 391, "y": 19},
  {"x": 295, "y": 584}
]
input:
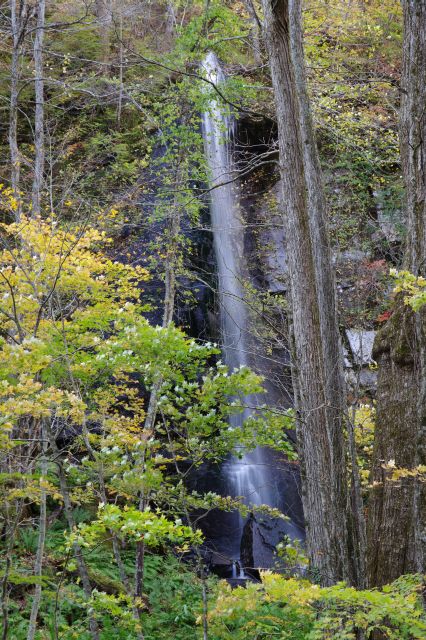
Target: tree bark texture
[
  {"x": 413, "y": 131},
  {"x": 318, "y": 377},
  {"x": 397, "y": 509},
  {"x": 326, "y": 288}
]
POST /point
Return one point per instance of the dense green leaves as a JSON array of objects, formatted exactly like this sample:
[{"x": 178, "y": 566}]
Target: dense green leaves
[{"x": 296, "y": 609}]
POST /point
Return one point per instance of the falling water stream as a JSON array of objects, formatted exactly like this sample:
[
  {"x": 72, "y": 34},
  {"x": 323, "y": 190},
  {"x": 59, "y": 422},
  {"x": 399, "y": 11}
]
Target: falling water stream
[
  {"x": 249, "y": 477},
  {"x": 227, "y": 227}
]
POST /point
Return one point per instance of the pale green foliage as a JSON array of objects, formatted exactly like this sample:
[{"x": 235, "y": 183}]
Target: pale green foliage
[
  {"x": 414, "y": 288},
  {"x": 130, "y": 523},
  {"x": 75, "y": 326},
  {"x": 299, "y": 610}
]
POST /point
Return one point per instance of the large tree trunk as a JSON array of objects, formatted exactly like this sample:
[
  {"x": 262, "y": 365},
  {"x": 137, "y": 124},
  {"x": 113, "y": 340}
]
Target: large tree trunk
[
  {"x": 318, "y": 372},
  {"x": 413, "y": 132},
  {"x": 397, "y": 511}
]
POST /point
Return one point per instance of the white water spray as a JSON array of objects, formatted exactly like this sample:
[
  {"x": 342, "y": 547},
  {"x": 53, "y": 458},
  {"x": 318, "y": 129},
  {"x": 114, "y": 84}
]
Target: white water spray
[
  {"x": 247, "y": 477},
  {"x": 227, "y": 227},
  {"x": 250, "y": 477}
]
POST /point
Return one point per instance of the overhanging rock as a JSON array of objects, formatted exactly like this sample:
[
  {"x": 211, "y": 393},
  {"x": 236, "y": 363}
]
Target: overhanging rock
[{"x": 261, "y": 534}]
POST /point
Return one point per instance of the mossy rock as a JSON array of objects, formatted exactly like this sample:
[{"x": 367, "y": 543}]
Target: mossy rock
[
  {"x": 398, "y": 335},
  {"x": 105, "y": 583}
]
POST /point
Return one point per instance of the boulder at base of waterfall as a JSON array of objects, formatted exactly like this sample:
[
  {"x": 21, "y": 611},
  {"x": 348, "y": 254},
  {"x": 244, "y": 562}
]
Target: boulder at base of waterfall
[
  {"x": 221, "y": 565},
  {"x": 261, "y": 534}
]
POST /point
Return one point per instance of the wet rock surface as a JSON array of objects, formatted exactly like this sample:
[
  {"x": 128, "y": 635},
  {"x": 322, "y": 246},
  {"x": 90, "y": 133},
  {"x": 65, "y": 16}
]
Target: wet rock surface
[
  {"x": 228, "y": 535},
  {"x": 360, "y": 376},
  {"x": 261, "y": 534},
  {"x": 361, "y": 345}
]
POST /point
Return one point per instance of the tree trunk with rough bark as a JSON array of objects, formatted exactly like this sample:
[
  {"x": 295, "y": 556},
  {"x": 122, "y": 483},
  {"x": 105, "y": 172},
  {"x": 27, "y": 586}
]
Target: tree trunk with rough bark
[
  {"x": 318, "y": 372},
  {"x": 397, "y": 509}
]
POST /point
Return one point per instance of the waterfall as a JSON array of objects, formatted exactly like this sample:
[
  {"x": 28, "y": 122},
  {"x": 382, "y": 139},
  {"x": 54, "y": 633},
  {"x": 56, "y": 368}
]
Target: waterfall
[
  {"x": 227, "y": 227},
  {"x": 246, "y": 477},
  {"x": 254, "y": 477}
]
